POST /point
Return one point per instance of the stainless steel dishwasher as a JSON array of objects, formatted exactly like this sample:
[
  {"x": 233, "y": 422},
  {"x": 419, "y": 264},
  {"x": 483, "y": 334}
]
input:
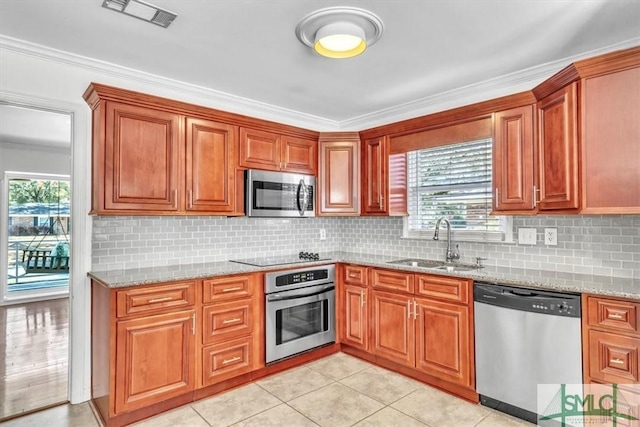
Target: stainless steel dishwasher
[{"x": 524, "y": 337}]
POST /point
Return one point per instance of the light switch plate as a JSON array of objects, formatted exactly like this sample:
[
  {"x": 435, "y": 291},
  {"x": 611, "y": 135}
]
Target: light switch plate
[
  {"x": 527, "y": 236},
  {"x": 551, "y": 236},
  {"x": 323, "y": 234}
]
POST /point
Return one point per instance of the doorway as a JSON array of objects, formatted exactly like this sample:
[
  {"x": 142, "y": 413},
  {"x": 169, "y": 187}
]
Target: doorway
[{"x": 35, "y": 257}]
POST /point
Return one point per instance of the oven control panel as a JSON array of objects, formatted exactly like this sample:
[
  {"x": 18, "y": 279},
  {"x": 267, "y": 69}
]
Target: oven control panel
[{"x": 301, "y": 277}]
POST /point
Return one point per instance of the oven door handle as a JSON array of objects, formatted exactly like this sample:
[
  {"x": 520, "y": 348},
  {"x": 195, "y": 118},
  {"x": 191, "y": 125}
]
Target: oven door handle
[
  {"x": 302, "y": 206},
  {"x": 277, "y": 297}
]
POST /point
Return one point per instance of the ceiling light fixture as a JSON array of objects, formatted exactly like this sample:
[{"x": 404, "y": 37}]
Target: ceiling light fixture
[
  {"x": 339, "y": 32},
  {"x": 141, "y": 10}
]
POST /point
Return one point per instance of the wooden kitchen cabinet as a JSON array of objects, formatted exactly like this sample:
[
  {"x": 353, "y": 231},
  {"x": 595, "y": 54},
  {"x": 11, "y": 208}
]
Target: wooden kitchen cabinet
[
  {"x": 140, "y": 154},
  {"x": 155, "y": 359},
  {"x": 611, "y": 340},
  {"x": 210, "y": 167},
  {"x": 610, "y": 134},
  {"x": 272, "y": 151},
  {"x": 513, "y": 161},
  {"x": 355, "y": 318},
  {"x": 339, "y": 174},
  {"x": 231, "y": 328},
  {"x": 557, "y": 150},
  {"x": 393, "y": 327},
  {"x": 375, "y": 180}
]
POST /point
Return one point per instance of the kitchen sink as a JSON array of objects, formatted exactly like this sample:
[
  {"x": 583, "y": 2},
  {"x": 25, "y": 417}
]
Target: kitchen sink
[
  {"x": 414, "y": 262},
  {"x": 437, "y": 265},
  {"x": 457, "y": 267}
]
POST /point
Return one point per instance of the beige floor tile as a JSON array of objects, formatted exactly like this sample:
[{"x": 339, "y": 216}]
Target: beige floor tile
[
  {"x": 335, "y": 405},
  {"x": 294, "y": 383},
  {"x": 185, "y": 416},
  {"x": 436, "y": 408},
  {"x": 68, "y": 415},
  {"x": 389, "y": 417},
  {"x": 380, "y": 384},
  {"x": 339, "y": 365},
  {"x": 497, "y": 419},
  {"x": 236, "y": 405},
  {"x": 280, "y": 416}
]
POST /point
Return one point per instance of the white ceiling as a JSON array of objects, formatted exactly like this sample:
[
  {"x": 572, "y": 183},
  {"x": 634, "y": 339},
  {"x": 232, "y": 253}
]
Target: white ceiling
[
  {"x": 31, "y": 126},
  {"x": 249, "y": 49}
]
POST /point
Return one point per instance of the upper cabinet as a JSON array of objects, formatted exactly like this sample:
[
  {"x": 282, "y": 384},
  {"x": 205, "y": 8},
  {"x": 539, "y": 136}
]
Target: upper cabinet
[
  {"x": 272, "y": 151},
  {"x": 375, "y": 183},
  {"x": 513, "y": 160},
  {"x": 339, "y": 174},
  {"x": 611, "y": 138},
  {"x": 557, "y": 149}
]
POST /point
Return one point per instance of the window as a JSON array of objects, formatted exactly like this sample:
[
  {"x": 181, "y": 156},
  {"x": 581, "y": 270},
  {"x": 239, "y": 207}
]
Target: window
[{"x": 453, "y": 182}]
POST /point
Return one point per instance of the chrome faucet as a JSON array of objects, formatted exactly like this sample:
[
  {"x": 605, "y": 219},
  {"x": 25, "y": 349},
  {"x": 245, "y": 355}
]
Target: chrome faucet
[{"x": 452, "y": 254}]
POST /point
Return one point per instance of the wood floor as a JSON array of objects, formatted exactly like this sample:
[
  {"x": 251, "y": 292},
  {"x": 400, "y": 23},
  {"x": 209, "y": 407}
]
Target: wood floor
[{"x": 34, "y": 355}]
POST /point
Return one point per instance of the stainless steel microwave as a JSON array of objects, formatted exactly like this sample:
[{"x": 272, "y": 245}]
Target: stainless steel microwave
[{"x": 279, "y": 194}]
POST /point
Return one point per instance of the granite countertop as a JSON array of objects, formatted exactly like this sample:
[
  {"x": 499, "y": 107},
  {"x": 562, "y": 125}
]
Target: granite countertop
[{"x": 550, "y": 280}]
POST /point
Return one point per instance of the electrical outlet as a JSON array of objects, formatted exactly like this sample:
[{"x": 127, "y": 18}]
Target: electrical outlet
[
  {"x": 323, "y": 234},
  {"x": 551, "y": 236},
  {"x": 527, "y": 236}
]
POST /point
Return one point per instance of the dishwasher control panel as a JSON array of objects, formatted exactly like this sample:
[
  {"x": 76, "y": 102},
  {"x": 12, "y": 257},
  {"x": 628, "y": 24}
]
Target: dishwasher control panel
[{"x": 532, "y": 300}]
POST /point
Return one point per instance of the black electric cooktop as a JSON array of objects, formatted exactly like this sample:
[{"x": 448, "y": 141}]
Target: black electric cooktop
[{"x": 282, "y": 259}]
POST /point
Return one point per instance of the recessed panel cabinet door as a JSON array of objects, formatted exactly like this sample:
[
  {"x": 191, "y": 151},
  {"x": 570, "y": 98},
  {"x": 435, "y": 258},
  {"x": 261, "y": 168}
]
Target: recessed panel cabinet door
[
  {"x": 375, "y": 164},
  {"x": 210, "y": 161},
  {"x": 142, "y": 158},
  {"x": 155, "y": 359},
  {"x": 393, "y": 327},
  {"x": 338, "y": 178},
  {"x": 356, "y": 326},
  {"x": 299, "y": 155},
  {"x": 442, "y": 341},
  {"x": 558, "y": 150}
]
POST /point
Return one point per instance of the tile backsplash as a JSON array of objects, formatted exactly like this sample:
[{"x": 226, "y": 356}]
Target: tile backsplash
[{"x": 602, "y": 245}]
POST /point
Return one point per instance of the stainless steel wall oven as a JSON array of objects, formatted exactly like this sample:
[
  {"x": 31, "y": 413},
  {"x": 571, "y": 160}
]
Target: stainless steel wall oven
[{"x": 299, "y": 310}]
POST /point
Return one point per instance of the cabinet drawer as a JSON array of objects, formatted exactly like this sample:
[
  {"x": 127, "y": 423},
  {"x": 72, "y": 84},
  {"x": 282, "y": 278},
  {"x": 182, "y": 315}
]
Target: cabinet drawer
[
  {"x": 443, "y": 288},
  {"x": 613, "y": 358},
  {"x": 146, "y": 299},
  {"x": 613, "y": 314},
  {"x": 355, "y": 275},
  {"x": 227, "y": 360},
  {"x": 227, "y": 320},
  {"x": 225, "y": 288},
  {"x": 391, "y": 280}
]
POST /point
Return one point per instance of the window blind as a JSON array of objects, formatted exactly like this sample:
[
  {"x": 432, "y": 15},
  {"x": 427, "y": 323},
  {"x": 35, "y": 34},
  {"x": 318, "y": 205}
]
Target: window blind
[{"x": 454, "y": 182}]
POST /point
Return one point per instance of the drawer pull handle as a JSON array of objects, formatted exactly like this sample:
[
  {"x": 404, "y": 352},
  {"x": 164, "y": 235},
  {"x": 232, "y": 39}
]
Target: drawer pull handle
[
  {"x": 353, "y": 275},
  {"x": 163, "y": 299},
  {"x": 236, "y": 288},
  {"x": 614, "y": 316},
  {"x": 234, "y": 320},
  {"x": 617, "y": 361},
  {"x": 233, "y": 359}
]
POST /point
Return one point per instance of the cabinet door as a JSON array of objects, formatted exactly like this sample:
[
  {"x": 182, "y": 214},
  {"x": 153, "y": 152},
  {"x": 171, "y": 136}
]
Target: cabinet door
[
  {"x": 356, "y": 325},
  {"x": 393, "y": 335},
  {"x": 299, "y": 155},
  {"x": 375, "y": 185},
  {"x": 338, "y": 178},
  {"x": 155, "y": 359},
  {"x": 143, "y": 150},
  {"x": 513, "y": 160},
  {"x": 259, "y": 150},
  {"x": 211, "y": 165},
  {"x": 610, "y": 108},
  {"x": 443, "y": 347},
  {"x": 558, "y": 150}
]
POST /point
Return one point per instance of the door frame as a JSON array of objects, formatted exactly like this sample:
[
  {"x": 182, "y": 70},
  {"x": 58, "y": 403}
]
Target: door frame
[{"x": 79, "y": 284}]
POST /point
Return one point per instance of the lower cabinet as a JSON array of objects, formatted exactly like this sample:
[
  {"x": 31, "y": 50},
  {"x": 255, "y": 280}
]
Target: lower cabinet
[
  {"x": 356, "y": 322},
  {"x": 155, "y": 359},
  {"x": 154, "y": 346}
]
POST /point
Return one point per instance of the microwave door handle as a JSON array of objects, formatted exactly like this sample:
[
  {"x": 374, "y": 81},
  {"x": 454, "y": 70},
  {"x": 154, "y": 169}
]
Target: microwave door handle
[{"x": 302, "y": 207}]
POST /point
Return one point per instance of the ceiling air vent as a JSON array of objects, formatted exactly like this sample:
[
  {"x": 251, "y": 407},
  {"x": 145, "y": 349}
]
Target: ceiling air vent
[{"x": 141, "y": 10}]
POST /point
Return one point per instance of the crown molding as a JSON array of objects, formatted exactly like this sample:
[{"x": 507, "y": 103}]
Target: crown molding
[
  {"x": 493, "y": 88},
  {"x": 208, "y": 97},
  {"x": 507, "y": 84}
]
